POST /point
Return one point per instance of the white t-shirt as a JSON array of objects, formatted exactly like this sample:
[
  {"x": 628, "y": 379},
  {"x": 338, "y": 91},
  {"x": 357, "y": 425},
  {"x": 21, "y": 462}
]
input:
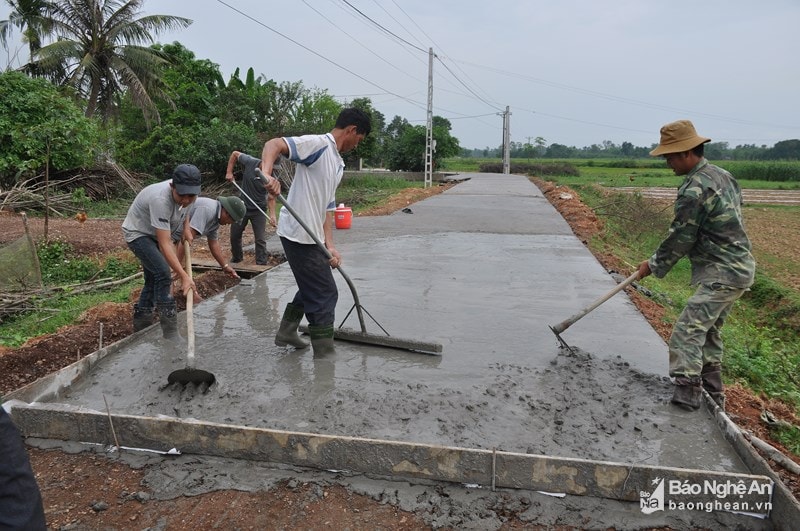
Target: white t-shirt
[
  {"x": 153, "y": 209},
  {"x": 313, "y": 193}
]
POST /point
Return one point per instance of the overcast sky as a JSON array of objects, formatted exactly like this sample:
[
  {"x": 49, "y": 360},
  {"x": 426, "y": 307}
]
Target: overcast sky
[{"x": 574, "y": 72}]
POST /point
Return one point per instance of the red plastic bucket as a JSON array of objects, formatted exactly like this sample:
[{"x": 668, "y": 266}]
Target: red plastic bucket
[{"x": 344, "y": 217}]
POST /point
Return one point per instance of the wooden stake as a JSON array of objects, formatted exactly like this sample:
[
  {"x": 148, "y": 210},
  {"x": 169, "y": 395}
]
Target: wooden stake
[{"x": 111, "y": 422}]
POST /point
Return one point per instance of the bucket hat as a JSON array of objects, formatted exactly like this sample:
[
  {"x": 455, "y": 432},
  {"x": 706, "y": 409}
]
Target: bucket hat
[
  {"x": 677, "y": 137},
  {"x": 234, "y": 207},
  {"x": 186, "y": 178}
]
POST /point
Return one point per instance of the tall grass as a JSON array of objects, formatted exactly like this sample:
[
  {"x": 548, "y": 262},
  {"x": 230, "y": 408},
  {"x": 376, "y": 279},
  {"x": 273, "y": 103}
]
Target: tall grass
[{"x": 770, "y": 171}]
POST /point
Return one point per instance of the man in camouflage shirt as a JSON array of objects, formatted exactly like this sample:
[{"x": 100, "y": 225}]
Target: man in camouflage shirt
[{"x": 709, "y": 230}]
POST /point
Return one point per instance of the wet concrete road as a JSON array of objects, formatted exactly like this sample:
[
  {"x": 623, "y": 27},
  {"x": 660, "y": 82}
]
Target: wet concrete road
[{"x": 483, "y": 269}]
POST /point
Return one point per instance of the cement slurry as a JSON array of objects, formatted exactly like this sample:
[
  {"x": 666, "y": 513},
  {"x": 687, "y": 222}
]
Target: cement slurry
[{"x": 483, "y": 268}]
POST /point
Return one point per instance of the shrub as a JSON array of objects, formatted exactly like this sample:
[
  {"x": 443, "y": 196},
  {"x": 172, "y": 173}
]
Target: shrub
[
  {"x": 59, "y": 264},
  {"x": 559, "y": 168}
]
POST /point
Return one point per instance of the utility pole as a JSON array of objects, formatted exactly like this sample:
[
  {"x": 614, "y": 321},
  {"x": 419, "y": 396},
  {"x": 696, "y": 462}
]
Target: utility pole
[
  {"x": 507, "y": 141},
  {"x": 429, "y": 145}
]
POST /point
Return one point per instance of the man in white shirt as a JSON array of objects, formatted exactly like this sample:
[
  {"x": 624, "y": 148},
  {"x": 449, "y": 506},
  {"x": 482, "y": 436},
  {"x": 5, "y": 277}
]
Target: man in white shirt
[{"x": 312, "y": 196}]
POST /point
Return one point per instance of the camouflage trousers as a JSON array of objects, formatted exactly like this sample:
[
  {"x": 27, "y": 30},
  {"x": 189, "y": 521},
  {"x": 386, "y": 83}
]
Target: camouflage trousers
[{"x": 696, "y": 339}]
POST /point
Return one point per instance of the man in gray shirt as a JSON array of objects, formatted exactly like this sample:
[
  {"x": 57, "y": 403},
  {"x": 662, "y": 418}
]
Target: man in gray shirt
[
  {"x": 257, "y": 201},
  {"x": 157, "y": 211},
  {"x": 205, "y": 217}
]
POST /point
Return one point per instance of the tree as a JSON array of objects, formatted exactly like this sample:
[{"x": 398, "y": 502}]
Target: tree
[
  {"x": 30, "y": 17},
  {"x": 446, "y": 144},
  {"x": 541, "y": 145},
  {"x": 558, "y": 151},
  {"x": 627, "y": 149},
  {"x": 407, "y": 151},
  {"x": 370, "y": 147},
  {"x": 99, "y": 52},
  {"x": 716, "y": 150},
  {"x": 784, "y": 150},
  {"x": 39, "y": 127}
]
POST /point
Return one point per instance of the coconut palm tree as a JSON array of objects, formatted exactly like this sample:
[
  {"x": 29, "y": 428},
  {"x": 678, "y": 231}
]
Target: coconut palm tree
[
  {"x": 101, "y": 51},
  {"x": 30, "y": 17}
]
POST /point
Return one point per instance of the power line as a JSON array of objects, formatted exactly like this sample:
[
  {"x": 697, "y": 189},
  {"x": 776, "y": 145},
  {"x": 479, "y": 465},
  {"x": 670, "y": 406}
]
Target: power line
[
  {"x": 620, "y": 99},
  {"x": 375, "y": 24},
  {"x": 389, "y": 32},
  {"x": 363, "y": 78},
  {"x": 370, "y": 50},
  {"x": 467, "y": 87},
  {"x": 439, "y": 48},
  {"x": 331, "y": 61},
  {"x": 400, "y": 23}
]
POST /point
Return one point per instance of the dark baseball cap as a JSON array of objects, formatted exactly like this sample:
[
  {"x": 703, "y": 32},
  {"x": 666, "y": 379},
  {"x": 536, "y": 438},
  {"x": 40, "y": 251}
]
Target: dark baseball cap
[{"x": 186, "y": 178}]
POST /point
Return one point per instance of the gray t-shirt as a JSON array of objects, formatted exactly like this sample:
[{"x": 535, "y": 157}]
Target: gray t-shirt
[
  {"x": 252, "y": 184},
  {"x": 203, "y": 218},
  {"x": 153, "y": 209}
]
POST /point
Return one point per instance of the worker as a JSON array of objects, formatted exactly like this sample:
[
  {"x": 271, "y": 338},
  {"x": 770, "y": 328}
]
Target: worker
[
  {"x": 20, "y": 498},
  {"x": 205, "y": 217},
  {"x": 318, "y": 172},
  {"x": 156, "y": 212},
  {"x": 258, "y": 202},
  {"x": 708, "y": 229}
]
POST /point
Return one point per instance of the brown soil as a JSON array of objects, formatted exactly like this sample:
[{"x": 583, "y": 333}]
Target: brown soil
[{"x": 72, "y": 483}]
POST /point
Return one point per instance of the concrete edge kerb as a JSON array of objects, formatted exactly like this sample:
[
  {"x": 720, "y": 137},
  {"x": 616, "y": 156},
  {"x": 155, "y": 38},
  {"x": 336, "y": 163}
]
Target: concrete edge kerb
[
  {"x": 395, "y": 459},
  {"x": 785, "y": 508},
  {"x": 51, "y": 386}
]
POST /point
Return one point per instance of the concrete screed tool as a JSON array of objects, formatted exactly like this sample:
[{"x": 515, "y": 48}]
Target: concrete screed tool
[
  {"x": 190, "y": 375},
  {"x": 566, "y": 323},
  {"x": 347, "y": 334}
]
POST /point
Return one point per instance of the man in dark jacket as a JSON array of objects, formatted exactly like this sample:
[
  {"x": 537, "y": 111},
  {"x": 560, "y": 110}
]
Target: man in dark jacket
[{"x": 20, "y": 499}]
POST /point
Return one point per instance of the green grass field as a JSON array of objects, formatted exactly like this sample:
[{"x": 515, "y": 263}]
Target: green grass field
[{"x": 765, "y": 175}]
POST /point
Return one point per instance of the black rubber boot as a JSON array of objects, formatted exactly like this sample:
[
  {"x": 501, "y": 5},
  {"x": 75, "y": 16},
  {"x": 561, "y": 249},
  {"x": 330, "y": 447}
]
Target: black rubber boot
[
  {"x": 168, "y": 317},
  {"x": 712, "y": 382},
  {"x": 142, "y": 318},
  {"x": 321, "y": 339},
  {"x": 287, "y": 331},
  {"x": 687, "y": 392}
]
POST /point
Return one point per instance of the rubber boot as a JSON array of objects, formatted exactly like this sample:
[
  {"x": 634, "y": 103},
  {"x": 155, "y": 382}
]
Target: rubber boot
[
  {"x": 287, "y": 331},
  {"x": 168, "y": 317},
  {"x": 142, "y": 318},
  {"x": 321, "y": 339},
  {"x": 712, "y": 382},
  {"x": 687, "y": 392}
]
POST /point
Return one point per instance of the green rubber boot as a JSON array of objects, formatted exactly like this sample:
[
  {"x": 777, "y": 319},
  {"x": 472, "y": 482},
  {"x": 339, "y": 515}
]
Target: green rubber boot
[
  {"x": 321, "y": 339},
  {"x": 287, "y": 331}
]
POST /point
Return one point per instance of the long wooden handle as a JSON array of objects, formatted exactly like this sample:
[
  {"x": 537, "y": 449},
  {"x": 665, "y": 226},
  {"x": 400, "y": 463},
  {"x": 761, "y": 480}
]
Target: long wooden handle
[
  {"x": 563, "y": 325},
  {"x": 189, "y": 309}
]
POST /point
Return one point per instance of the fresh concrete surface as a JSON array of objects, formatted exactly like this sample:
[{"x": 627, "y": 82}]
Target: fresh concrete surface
[{"x": 483, "y": 269}]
